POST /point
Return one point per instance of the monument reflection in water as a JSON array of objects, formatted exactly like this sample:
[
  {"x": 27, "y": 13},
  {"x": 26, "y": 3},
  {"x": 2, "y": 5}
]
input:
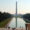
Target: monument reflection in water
[
  {"x": 16, "y": 24},
  {"x": 20, "y": 23}
]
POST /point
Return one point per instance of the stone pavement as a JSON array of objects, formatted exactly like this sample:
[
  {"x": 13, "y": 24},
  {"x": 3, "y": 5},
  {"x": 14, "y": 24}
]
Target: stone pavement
[{"x": 11, "y": 29}]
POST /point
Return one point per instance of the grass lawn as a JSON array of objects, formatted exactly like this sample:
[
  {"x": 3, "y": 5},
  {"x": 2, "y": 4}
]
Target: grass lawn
[{"x": 3, "y": 23}]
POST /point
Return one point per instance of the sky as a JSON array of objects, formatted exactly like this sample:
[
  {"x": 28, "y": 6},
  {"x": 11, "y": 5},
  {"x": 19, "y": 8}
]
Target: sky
[{"x": 23, "y": 6}]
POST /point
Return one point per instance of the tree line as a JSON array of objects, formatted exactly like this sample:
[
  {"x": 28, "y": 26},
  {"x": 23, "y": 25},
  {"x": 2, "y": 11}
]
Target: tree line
[
  {"x": 26, "y": 17},
  {"x": 4, "y": 16}
]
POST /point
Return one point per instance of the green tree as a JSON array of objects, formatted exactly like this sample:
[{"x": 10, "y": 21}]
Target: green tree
[{"x": 26, "y": 17}]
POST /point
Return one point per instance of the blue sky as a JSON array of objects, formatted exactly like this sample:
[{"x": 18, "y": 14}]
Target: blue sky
[{"x": 10, "y": 6}]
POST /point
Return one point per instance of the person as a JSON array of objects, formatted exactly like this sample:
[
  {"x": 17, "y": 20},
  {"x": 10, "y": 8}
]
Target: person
[
  {"x": 13, "y": 28},
  {"x": 26, "y": 26}
]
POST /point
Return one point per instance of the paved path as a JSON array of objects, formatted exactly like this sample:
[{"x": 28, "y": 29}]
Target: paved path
[{"x": 11, "y": 29}]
